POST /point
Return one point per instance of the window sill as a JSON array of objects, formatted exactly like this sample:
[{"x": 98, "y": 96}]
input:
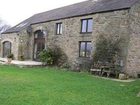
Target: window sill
[
  {"x": 85, "y": 35},
  {"x": 84, "y": 57},
  {"x": 58, "y": 34},
  {"x": 85, "y": 32}
]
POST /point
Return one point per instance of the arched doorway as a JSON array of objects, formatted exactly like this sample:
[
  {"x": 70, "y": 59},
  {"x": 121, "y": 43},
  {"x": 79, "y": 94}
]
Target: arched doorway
[
  {"x": 39, "y": 43},
  {"x": 6, "y": 48}
]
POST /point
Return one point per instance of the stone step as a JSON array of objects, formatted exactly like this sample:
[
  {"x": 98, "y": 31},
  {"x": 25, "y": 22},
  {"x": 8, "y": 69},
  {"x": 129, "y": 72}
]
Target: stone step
[
  {"x": 21, "y": 63},
  {"x": 1, "y": 62}
]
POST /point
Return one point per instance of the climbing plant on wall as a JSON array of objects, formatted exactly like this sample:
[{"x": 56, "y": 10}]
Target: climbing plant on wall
[{"x": 107, "y": 49}]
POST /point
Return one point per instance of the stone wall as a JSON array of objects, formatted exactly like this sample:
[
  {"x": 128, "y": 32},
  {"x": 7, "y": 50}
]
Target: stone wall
[
  {"x": 0, "y": 46},
  {"x": 111, "y": 25},
  {"x": 21, "y": 44},
  {"x": 133, "y": 61},
  {"x": 25, "y": 47},
  {"x": 14, "y": 39},
  {"x": 115, "y": 24}
]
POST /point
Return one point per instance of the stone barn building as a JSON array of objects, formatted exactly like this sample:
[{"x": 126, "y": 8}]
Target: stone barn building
[{"x": 75, "y": 28}]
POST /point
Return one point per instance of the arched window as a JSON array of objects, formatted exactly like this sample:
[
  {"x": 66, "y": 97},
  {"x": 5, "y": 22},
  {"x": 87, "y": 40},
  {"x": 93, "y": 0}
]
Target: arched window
[
  {"x": 6, "y": 48},
  {"x": 39, "y": 34}
]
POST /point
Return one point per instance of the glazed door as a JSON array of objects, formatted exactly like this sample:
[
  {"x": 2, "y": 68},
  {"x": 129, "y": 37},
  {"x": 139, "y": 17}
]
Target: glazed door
[
  {"x": 39, "y": 43},
  {"x": 39, "y": 46}
]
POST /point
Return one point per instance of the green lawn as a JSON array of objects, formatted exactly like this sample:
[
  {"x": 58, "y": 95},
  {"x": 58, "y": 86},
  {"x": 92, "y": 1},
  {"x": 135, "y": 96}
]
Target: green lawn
[{"x": 49, "y": 86}]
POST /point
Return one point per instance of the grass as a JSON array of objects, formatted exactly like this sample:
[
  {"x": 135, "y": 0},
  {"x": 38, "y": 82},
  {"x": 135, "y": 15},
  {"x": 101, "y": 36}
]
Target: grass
[{"x": 49, "y": 86}]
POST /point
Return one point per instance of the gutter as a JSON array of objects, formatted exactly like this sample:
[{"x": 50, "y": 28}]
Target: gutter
[{"x": 82, "y": 15}]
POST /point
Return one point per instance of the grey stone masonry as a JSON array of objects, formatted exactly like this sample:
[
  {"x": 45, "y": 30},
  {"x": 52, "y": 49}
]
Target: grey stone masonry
[
  {"x": 111, "y": 24},
  {"x": 14, "y": 39},
  {"x": 133, "y": 59}
]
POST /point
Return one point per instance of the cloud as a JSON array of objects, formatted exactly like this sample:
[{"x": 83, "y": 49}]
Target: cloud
[{"x": 15, "y": 11}]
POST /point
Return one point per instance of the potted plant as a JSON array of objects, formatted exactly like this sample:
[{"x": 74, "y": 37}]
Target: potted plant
[
  {"x": 21, "y": 57},
  {"x": 10, "y": 58}
]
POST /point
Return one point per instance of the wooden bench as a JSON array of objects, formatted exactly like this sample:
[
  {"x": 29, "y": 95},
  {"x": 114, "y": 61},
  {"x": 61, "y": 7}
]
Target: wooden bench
[
  {"x": 108, "y": 71},
  {"x": 96, "y": 71}
]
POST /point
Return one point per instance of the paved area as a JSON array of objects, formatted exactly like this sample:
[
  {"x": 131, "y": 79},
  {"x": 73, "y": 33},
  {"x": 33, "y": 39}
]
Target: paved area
[
  {"x": 2, "y": 62},
  {"x": 128, "y": 80},
  {"x": 21, "y": 63},
  {"x": 138, "y": 95},
  {"x": 118, "y": 80}
]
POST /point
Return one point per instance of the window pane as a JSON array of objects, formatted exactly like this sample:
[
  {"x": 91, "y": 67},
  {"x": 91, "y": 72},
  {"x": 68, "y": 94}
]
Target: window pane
[
  {"x": 43, "y": 46},
  {"x": 36, "y": 35},
  {"x": 6, "y": 49},
  {"x": 84, "y": 25},
  {"x": 90, "y": 24},
  {"x": 58, "y": 28},
  {"x": 61, "y": 28},
  {"x": 88, "y": 49},
  {"x": 39, "y": 34},
  {"x": 82, "y": 49}
]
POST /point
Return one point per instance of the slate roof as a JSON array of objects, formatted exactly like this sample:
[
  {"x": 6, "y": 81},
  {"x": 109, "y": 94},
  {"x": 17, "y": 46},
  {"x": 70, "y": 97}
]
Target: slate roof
[{"x": 78, "y": 9}]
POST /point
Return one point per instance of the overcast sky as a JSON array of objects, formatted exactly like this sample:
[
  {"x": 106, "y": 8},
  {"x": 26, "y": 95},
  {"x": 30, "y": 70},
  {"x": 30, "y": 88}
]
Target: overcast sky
[{"x": 15, "y": 11}]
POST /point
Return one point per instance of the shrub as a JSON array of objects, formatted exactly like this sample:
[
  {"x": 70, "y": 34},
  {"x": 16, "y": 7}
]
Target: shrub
[
  {"x": 46, "y": 56},
  {"x": 53, "y": 56},
  {"x": 65, "y": 65},
  {"x": 10, "y": 56},
  {"x": 60, "y": 57},
  {"x": 21, "y": 57},
  {"x": 107, "y": 50}
]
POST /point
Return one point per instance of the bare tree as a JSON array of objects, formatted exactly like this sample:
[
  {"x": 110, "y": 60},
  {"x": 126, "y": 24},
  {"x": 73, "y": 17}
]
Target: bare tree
[{"x": 3, "y": 26}]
